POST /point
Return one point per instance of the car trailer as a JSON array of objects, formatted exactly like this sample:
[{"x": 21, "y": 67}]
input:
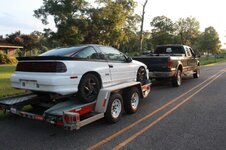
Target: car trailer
[{"x": 70, "y": 113}]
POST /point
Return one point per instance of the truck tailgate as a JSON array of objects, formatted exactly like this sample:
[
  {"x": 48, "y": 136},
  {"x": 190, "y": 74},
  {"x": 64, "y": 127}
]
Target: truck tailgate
[{"x": 155, "y": 63}]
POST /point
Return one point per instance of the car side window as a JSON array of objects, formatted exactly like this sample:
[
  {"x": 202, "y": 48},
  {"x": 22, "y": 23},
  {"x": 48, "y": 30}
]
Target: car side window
[
  {"x": 87, "y": 53},
  {"x": 112, "y": 54},
  {"x": 188, "y": 52},
  {"x": 192, "y": 52}
]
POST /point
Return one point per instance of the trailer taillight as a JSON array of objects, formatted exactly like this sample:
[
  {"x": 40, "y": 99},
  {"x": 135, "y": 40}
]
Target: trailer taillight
[
  {"x": 66, "y": 118},
  {"x": 71, "y": 117}
]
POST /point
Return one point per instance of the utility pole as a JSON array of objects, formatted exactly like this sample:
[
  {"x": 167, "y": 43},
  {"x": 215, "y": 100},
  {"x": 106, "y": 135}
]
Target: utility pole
[{"x": 141, "y": 27}]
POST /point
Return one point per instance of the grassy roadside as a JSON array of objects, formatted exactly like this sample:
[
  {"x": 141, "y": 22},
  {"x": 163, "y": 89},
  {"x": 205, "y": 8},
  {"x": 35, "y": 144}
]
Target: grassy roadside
[
  {"x": 5, "y": 86},
  {"x": 211, "y": 60}
]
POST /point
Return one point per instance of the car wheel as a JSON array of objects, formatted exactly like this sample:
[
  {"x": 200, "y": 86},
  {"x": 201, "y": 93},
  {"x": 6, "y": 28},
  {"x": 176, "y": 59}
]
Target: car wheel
[
  {"x": 114, "y": 108},
  {"x": 197, "y": 73},
  {"x": 176, "y": 81},
  {"x": 88, "y": 88},
  {"x": 131, "y": 99},
  {"x": 141, "y": 75}
]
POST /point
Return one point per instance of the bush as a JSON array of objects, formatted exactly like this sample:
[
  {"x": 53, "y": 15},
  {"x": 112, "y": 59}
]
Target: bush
[{"x": 5, "y": 59}]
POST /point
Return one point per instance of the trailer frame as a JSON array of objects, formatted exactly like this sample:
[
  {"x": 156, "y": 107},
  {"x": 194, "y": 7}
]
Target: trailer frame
[{"x": 70, "y": 112}]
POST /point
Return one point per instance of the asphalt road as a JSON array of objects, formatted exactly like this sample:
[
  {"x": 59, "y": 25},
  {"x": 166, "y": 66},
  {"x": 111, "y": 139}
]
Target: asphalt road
[{"x": 190, "y": 117}]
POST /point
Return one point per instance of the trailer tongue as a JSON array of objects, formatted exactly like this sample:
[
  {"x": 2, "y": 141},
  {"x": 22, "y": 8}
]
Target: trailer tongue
[{"x": 72, "y": 114}]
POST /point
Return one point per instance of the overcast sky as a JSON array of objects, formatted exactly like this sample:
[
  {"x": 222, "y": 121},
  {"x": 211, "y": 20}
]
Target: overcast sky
[{"x": 18, "y": 14}]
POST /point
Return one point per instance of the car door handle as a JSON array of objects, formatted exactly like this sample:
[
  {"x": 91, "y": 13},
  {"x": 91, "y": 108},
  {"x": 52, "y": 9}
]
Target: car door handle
[{"x": 110, "y": 66}]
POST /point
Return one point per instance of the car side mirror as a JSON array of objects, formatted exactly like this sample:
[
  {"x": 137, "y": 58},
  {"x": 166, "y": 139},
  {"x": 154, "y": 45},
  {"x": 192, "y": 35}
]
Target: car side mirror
[{"x": 129, "y": 59}]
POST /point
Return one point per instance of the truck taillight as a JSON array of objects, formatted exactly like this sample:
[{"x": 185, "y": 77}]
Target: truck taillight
[{"x": 169, "y": 63}]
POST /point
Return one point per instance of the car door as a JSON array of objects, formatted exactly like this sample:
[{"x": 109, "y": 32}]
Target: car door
[
  {"x": 93, "y": 62},
  {"x": 192, "y": 61},
  {"x": 121, "y": 70}
]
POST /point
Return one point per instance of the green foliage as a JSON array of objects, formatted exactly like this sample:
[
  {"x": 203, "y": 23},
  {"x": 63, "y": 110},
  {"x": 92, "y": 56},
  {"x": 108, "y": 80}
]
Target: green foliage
[
  {"x": 5, "y": 86},
  {"x": 163, "y": 30},
  {"x": 5, "y": 59},
  {"x": 32, "y": 41},
  {"x": 209, "y": 41},
  {"x": 187, "y": 30},
  {"x": 77, "y": 22}
]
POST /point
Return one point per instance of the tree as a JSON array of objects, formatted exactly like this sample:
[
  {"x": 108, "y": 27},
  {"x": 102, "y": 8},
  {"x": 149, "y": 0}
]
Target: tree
[
  {"x": 68, "y": 17},
  {"x": 31, "y": 42},
  {"x": 209, "y": 41},
  {"x": 163, "y": 30},
  {"x": 187, "y": 30},
  {"x": 141, "y": 27},
  {"x": 77, "y": 22}
]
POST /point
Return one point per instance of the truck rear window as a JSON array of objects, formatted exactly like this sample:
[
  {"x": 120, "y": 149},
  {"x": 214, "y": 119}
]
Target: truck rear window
[{"x": 169, "y": 50}]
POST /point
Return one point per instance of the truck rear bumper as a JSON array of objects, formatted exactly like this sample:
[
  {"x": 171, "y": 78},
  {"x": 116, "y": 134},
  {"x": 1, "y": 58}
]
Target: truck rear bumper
[{"x": 161, "y": 74}]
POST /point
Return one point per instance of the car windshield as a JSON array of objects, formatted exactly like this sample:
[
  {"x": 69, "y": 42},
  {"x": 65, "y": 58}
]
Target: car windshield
[
  {"x": 169, "y": 50},
  {"x": 63, "y": 51}
]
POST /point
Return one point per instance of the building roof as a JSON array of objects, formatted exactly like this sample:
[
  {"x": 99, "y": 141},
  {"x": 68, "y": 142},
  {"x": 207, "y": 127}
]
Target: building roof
[{"x": 9, "y": 46}]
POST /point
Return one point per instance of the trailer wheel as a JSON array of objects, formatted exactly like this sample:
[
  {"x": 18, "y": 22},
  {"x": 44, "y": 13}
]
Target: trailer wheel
[
  {"x": 176, "y": 81},
  {"x": 131, "y": 99},
  {"x": 114, "y": 108}
]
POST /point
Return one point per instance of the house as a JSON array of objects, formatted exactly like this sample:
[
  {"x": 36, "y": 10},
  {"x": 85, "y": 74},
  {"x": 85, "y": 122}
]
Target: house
[{"x": 9, "y": 49}]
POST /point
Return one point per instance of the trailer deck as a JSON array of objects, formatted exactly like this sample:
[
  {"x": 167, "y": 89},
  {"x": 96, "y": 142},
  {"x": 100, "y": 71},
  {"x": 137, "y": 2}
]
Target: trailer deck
[{"x": 69, "y": 111}]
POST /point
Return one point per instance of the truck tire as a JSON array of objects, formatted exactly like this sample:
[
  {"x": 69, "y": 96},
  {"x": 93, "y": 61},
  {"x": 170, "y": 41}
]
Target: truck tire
[
  {"x": 197, "y": 73},
  {"x": 141, "y": 75},
  {"x": 176, "y": 80},
  {"x": 114, "y": 108},
  {"x": 131, "y": 99},
  {"x": 88, "y": 88}
]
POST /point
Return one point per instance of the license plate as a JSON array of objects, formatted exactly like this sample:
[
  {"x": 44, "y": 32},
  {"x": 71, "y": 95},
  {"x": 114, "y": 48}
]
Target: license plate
[
  {"x": 28, "y": 84},
  {"x": 13, "y": 110}
]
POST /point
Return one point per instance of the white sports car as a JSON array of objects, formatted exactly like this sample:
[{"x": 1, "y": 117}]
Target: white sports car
[{"x": 81, "y": 69}]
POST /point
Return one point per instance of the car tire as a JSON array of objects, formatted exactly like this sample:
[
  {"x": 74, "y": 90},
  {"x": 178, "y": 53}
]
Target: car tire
[
  {"x": 197, "y": 73},
  {"x": 131, "y": 99},
  {"x": 142, "y": 75},
  {"x": 114, "y": 108},
  {"x": 176, "y": 80},
  {"x": 88, "y": 88}
]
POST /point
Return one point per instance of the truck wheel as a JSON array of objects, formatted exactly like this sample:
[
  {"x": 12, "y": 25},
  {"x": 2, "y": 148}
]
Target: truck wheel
[
  {"x": 197, "y": 73},
  {"x": 141, "y": 75},
  {"x": 88, "y": 88},
  {"x": 176, "y": 81},
  {"x": 114, "y": 108},
  {"x": 131, "y": 99}
]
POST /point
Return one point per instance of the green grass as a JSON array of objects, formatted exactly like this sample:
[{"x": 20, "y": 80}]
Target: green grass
[
  {"x": 212, "y": 60},
  {"x": 5, "y": 85}
]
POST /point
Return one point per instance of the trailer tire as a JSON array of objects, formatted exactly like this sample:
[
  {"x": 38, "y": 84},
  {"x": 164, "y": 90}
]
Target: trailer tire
[
  {"x": 131, "y": 99},
  {"x": 114, "y": 108},
  {"x": 88, "y": 88}
]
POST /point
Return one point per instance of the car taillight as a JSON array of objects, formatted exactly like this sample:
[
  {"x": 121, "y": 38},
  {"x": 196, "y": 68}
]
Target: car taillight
[
  {"x": 169, "y": 63},
  {"x": 57, "y": 67}
]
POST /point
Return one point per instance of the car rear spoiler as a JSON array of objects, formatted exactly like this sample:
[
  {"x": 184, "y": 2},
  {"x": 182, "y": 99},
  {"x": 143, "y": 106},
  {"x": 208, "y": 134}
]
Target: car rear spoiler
[{"x": 47, "y": 58}]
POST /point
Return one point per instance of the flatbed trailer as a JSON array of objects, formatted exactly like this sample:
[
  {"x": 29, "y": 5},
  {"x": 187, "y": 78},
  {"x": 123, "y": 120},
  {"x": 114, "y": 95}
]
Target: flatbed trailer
[{"x": 72, "y": 114}]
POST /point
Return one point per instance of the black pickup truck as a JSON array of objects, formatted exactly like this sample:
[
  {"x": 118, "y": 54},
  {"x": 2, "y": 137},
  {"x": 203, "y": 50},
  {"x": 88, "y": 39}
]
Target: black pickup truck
[{"x": 171, "y": 61}]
